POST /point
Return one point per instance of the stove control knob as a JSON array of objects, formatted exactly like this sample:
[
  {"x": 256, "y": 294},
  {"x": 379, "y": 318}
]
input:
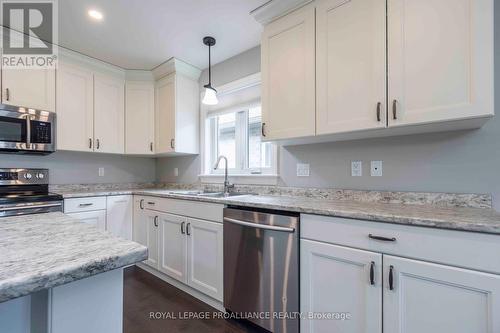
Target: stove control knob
[
  {"x": 28, "y": 175},
  {"x": 40, "y": 175}
]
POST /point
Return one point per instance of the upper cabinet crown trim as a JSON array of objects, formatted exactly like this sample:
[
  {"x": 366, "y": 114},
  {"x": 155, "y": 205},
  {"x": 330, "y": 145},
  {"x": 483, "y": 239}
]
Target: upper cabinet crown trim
[
  {"x": 177, "y": 66},
  {"x": 274, "y": 9}
]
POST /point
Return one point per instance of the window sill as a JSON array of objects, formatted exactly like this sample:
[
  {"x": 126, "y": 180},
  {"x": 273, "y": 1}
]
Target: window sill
[{"x": 241, "y": 179}]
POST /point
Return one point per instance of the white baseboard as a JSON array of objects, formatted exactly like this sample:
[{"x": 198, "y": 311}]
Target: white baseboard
[{"x": 187, "y": 289}]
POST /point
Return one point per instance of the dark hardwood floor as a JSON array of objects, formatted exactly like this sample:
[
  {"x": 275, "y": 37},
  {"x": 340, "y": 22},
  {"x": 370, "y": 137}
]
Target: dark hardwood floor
[{"x": 144, "y": 294}]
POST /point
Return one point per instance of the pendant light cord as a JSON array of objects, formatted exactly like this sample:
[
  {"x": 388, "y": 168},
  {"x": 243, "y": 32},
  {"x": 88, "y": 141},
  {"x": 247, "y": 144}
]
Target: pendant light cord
[{"x": 209, "y": 66}]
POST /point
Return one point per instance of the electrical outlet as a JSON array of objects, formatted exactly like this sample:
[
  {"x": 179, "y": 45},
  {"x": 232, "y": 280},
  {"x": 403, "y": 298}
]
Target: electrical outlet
[
  {"x": 101, "y": 172},
  {"x": 176, "y": 172},
  {"x": 376, "y": 168},
  {"x": 302, "y": 170},
  {"x": 356, "y": 168}
]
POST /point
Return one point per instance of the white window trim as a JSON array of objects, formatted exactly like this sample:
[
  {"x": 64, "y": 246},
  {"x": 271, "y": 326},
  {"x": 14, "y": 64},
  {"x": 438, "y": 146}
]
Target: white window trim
[{"x": 269, "y": 178}]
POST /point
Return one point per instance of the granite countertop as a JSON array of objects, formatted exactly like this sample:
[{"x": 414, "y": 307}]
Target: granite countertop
[
  {"x": 484, "y": 220},
  {"x": 455, "y": 218},
  {"x": 47, "y": 250}
]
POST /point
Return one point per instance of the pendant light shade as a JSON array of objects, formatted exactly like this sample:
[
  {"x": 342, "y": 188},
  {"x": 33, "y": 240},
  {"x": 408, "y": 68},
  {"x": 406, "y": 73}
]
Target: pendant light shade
[{"x": 210, "y": 97}]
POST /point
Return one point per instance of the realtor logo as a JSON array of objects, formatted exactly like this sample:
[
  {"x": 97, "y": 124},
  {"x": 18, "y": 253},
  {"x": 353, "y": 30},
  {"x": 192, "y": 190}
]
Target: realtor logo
[{"x": 29, "y": 33}]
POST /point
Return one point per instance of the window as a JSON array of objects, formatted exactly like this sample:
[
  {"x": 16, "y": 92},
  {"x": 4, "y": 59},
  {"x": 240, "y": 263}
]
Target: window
[{"x": 236, "y": 135}]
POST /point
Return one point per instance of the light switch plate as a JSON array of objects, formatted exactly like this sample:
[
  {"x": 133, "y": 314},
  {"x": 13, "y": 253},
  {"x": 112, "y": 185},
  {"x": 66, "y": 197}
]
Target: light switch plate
[
  {"x": 101, "y": 172},
  {"x": 176, "y": 172},
  {"x": 376, "y": 168},
  {"x": 356, "y": 168},
  {"x": 302, "y": 170}
]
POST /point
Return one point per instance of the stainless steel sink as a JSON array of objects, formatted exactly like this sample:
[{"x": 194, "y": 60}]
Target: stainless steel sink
[
  {"x": 221, "y": 194},
  {"x": 207, "y": 194}
]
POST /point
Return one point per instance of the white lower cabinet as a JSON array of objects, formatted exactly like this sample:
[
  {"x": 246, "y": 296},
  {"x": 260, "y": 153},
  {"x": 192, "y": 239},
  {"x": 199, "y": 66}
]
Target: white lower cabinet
[
  {"x": 184, "y": 248},
  {"x": 173, "y": 248},
  {"x": 119, "y": 215},
  {"x": 205, "y": 257},
  {"x": 96, "y": 218},
  {"x": 432, "y": 298},
  {"x": 344, "y": 281},
  {"x": 365, "y": 275}
]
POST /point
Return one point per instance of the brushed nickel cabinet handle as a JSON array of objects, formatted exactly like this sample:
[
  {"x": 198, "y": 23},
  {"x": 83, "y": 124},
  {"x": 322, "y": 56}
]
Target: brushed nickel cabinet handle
[
  {"x": 7, "y": 94},
  {"x": 182, "y": 228},
  {"x": 141, "y": 204},
  {"x": 156, "y": 221},
  {"x": 381, "y": 238},
  {"x": 395, "y": 109},
  {"x": 188, "y": 229},
  {"x": 151, "y": 146},
  {"x": 379, "y": 107},
  {"x": 263, "y": 132},
  {"x": 90, "y": 143},
  {"x": 172, "y": 143},
  {"x": 98, "y": 144}
]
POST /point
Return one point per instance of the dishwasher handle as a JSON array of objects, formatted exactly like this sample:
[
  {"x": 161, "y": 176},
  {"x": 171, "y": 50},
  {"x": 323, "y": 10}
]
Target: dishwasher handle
[{"x": 259, "y": 226}]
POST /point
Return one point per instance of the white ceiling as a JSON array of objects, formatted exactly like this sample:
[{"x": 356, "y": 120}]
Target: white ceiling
[{"x": 141, "y": 34}]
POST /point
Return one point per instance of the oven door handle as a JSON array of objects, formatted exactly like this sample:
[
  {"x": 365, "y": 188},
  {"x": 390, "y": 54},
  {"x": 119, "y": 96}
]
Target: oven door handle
[
  {"x": 30, "y": 206},
  {"x": 259, "y": 226}
]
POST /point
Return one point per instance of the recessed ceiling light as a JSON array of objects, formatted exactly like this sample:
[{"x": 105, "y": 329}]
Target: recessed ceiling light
[{"x": 97, "y": 15}]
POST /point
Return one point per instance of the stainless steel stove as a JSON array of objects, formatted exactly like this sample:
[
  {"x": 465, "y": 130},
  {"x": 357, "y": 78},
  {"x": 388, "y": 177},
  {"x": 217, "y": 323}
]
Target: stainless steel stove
[{"x": 26, "y": 191}]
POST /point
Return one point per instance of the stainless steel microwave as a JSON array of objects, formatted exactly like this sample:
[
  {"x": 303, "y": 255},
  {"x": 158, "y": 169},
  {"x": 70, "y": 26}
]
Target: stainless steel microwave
[{"x": 25, "y": 130}]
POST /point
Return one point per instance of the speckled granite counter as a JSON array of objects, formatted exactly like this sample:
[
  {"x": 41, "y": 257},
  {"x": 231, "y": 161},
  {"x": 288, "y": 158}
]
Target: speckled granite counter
[
  {"x": 46, "y": 250},
  {"x": 456, "y": 218},
  {"x": 466, "y": 212}
]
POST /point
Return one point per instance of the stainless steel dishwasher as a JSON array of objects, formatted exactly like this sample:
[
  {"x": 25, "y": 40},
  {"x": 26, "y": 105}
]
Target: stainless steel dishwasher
[{"x": 261, "y": 267}]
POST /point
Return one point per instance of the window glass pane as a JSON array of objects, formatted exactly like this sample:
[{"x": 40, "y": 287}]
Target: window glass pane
[
  {"x": 226, "y": 138},
  {"x": 259, "y": 154}
]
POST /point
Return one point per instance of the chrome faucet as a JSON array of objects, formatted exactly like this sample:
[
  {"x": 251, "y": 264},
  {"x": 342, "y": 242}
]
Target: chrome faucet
[{"x": 227, "y": 186}]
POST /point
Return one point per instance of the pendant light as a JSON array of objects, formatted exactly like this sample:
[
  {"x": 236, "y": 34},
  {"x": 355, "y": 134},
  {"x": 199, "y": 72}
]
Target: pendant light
[{"x": 210, "y": 97}]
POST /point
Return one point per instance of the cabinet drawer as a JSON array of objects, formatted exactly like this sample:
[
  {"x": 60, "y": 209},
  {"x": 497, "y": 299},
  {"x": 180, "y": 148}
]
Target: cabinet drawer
[
  {"x": 84, "y": 204},
  {"x": 196, "y": 209},
  {"x": 456, "y": 248}
]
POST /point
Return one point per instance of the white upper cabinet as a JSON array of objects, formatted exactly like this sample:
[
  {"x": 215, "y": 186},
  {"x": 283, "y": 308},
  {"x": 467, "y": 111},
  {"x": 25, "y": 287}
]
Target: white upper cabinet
[
  {"x": 139, "y": 117},
  {"x": 75, "y": 109},
  {"x": 109, "y": 114},
  {"x": 350, "y": 65},
  {"x": 177, "y": 115},
  {"x": 288, "y": 76},
  {"x": 440, "y": 60},
  {"x": 32, "y": 88},
  {"x": 432, "y": 298}
]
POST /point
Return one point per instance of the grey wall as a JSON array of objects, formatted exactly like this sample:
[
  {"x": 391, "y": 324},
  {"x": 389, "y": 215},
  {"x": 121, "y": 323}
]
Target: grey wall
[
  {"x": 464, "y": 161},
  {"x": 78, "y": 168}
]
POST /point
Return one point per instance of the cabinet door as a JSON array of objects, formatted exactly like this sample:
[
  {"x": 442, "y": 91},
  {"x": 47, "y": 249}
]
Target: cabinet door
[
  {"x": 152, "y": 238},
  {"x": 109, "y": 114},
  {"x": 75, "y": 108},
  {"x": 351, "y": 65},
  {"x": 434, "y": 298},
  {"x": 440, "y": 60},
  {"x": 173, "y": 258},
  {"x": 205, "y": 255},
  {"x": 336, "y": 279},
  {"x": 165, "y": 115},
  {"x": 288, "y": 76},
  {"x": 119, "y": 216},
  {"x": 32, "y": 88},
  {"x": 96, "y": 218},
  {"x": 139, "y": 118}
]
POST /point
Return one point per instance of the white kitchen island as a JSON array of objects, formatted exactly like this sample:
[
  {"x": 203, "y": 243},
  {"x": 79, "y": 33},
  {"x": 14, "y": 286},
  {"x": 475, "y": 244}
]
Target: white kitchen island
[{"x": 60, "y": 275}]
